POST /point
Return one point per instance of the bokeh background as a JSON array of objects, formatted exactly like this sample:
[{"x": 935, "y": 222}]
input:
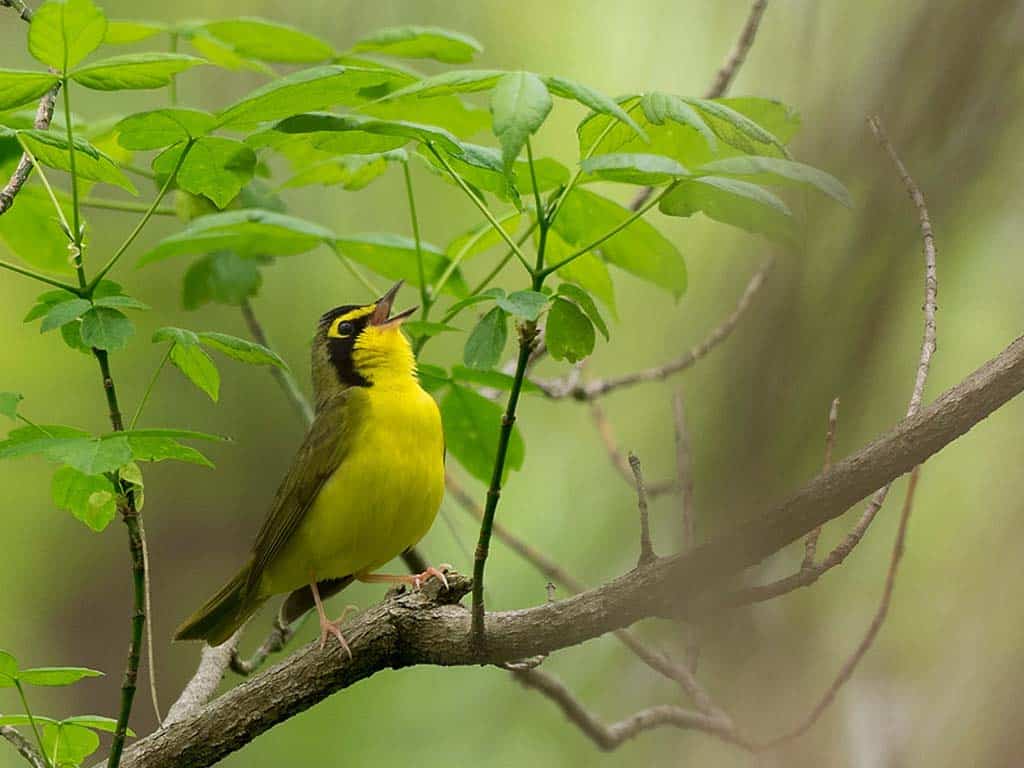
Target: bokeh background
[{"x": 838, "y": 317}]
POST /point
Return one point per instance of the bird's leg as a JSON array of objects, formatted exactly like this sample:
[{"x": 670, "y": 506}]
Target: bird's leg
[
  {"x": 328, "y": 626},
  {"x": 415, "y": 579}
]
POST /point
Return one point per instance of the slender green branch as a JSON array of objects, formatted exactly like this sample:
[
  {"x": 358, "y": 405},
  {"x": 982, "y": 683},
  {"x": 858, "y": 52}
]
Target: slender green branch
[
  {"x": 32, "y": 721},
  {"x": 49, "y": 189},
  {"x": 579, "y": 170},
  {"x": 149, "y": 388},
  {"x": 467, "y": 247},
  {"x": 138, "y": 170},
  {"x": 142, "y": 222},
  {"x": 77, "y": 232},
  {"x": 483, "y": 208},
  {"x": 542, "y": 218},
  {"x": 126, "y": 206},
  {"x": 40, "y": 277},
  {"x": 359, "y": 276},
  {"x": 527, "y": 336},
  {"x": 497, "y": 268},
  {"x": 425, "y": 297},
  {"x": 609, "y": 234}
]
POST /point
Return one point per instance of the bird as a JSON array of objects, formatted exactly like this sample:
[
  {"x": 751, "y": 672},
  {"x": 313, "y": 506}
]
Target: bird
[{"x": 365, "y": 485}]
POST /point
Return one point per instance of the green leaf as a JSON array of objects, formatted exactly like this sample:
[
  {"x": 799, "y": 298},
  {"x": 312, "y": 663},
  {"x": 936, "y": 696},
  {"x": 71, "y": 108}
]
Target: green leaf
[
  {"x": 250, "y": 232},
  {"x": 223, "y": 277},
  {"x": 64, "y": 313},
  {"x": 737, "y": 129},
  {"x": 455, "y": 81},
  {"x": 634, "y": 168},
  {"x": 394, "y": 256},
  {"x": 51, "y": 149},
  {"x": 775, "y": 117},
  {"x": 525, "y": 304},
  {"x": 64, "y": 33},
  {"x": 489, "y": 295},
  {"x": 480, "y": 167},
  {"x": 471, "y": 427},
  {"x": 492, "y": 379},
  {"x": 318, "y": 122},
  {"x": 223, "y": 55},
  {"x": 734, "y": 202},
  {"x": 258, "y": 38},
  {"x": 174, "y": 335},
  {"x": 660, "y": 108},
  {"x": 106, "y": 328},
  {"x": 90, "y": 498},
  {"x": 9, "y": 404},
  {"x": 160, "y": 448},
  {"x": 519, "y": 105},
  {"x": 352, "y": 172},
  {"x": 586, "y": 303},
  {"x": 19, "y": 87},
  {"x": 483, "y": 237},
  {"x": 197, "y": 366},
  {"x": 124, "y": 32},
  {"x": 305, "y": 91},
  {"x": 412, "y": 42},
  {"x": 134, "y": 71},
  {"x": 241, "y": 349},
  {"x": 432, "y": 377},
  {"x": 8, "y": 671},
  {"x": 162, "y": 127},
  {"x": 589, "y": 271},
  {"x": 120, "y": 302},
  {"x": 569, "y": 334},
  {"x": 69, "y": 744},
  {"x": 179, "y": 434},
  {"x": 776, "y": 170},
  {"x": 588, "y": 97},
  {"x": 487, "y": 340},
  {"x": 448, "y": 112},
  {"x": 639, "y": 248},
  {"x": 30, "y": 229},
  {"x": 420, "y": 328},
  {"x": 96, "y": 722},
  {"x": 214, "y": 167}
]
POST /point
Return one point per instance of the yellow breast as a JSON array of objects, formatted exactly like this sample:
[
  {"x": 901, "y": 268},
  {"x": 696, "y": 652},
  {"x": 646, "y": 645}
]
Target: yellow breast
[{"x": 382, "y": 499}]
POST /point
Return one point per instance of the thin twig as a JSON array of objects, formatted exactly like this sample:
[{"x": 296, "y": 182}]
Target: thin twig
[
  {"x": 611, "y": 446},
  {"x": 726, "y": 73},
  {"x": 811, "y": 542},
  {"x": 279, "y": 637},
  {"x": 609, "y": 737},
  {"x": 847, "y": 670},
  {"x": 24, "y": 746},
  {"x": 150, "y": 653},
  {"x": 600, "y": 387},
  {"x": 284, "y": 378},
  {"x": 44, "y": 114},
  {"x": 807, "y": 576},
  {"x": 646, "y": 546},
  {"x": 684, "y": 475},
  {"x": 204, "y": 683}
]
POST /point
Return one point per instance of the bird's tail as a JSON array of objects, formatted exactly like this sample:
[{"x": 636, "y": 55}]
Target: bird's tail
[{"x": 223, "y": 613}]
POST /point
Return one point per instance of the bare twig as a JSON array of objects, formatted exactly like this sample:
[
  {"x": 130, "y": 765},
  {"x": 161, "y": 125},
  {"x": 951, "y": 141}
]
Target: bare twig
[
  {"x": 599, "y": 387},
  {"x": 280, "y": 635},
  {"x": 284, "y": 378},
  {"x": 684, "y": 475},
  {"x": 806, "y": 576},
  {"x": 647, "y": 555},
  {"x": 611, "y": 446},
  {"x": 609, "y": 737},
  {"x": 725, "y": 74},
  {"x": 24, "y": 746},
  {"x": 847, "y": 670},
  {"x": 150, "y": 652},
  {"x": 811, "y": 542},
  {"x": 204, "y": 682}
]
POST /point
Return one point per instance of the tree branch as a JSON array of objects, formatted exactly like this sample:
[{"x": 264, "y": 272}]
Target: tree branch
[
  {"x": 24, "y": 746},
  {"x": 811, "y": 542},
  {"x": 600, "y": 387},
  {"x": 203, "y": 685},
  {"x": 647, "y": 555}
]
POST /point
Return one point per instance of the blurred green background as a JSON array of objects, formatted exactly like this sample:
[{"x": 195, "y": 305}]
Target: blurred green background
[{"x": 839, "y": 317}]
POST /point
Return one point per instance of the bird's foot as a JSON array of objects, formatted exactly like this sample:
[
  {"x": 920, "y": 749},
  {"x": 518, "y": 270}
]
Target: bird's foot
[
  {"x": 439, "y": 574},
  {"x": 328, "y": 627},
  {"x": 416, "y": 580}
]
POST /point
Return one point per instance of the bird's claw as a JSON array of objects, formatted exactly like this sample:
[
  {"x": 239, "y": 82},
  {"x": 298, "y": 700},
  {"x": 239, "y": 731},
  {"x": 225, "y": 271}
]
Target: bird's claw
[
  {"x": 334, "y": 628},
  {"x": 439, "y": 574}
]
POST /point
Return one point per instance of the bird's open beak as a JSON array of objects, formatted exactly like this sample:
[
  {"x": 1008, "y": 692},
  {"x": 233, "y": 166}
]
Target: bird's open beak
[{"x": 382, "y": 313}]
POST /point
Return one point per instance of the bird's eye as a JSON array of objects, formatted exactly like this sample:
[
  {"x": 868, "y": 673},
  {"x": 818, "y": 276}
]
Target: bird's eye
[{"x": 345, "y": 329}]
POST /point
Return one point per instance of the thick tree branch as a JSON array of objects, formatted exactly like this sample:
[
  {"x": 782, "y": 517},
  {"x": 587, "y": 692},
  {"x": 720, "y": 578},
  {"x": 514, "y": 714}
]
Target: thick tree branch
[
  {"x": 414, "y": 629},
  {"x": 23, "y": 745}
]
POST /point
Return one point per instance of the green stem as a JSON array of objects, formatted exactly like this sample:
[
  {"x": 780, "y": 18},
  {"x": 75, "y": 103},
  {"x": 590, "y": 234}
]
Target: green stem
[
  {"x": 425, "y": 299},
  {"x": 347, "y": 263},
  {"x": 483, "y": 208},
  {"x": 76, "y": 214},
  {"x": 579, "y": 170},
  {"x": 142, "y": 222},
  {"x": 32, "y": 721},
  {"x": 496, "y": 271},
  {"x": 41, "y": 278},
  {"x": 140, "y": 171},
  {"x": 149, "y": 387},
  {"x": 542, "y": 218},
  {"x": 49, "y": 189},
  {"x": 130, "y": 515},
  {"x": 609, "y": 234},
  {"x": 527, "y": 335},
  {"x": 128, "y": 207},
  {"x": 465, "y": 249}
]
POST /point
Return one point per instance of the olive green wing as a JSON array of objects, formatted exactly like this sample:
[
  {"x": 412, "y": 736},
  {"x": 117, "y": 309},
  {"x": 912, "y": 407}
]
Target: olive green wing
[{"x": 327, "y": 442}]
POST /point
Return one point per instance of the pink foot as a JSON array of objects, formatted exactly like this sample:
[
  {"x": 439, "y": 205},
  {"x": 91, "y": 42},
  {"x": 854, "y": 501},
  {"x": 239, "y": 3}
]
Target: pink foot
[{"x": 334, "y": 628}]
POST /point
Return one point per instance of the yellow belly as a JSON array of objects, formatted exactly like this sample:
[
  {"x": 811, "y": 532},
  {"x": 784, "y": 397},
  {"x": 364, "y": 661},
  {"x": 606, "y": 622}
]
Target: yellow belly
[{"x": 382, "y": 499}]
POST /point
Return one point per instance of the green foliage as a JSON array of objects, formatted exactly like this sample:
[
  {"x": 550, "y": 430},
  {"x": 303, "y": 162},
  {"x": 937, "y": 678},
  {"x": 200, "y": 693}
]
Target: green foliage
[
  {"x": 215, "y": 167},
  {"x": 420, "y": 43},
  {"x": 64, "y": 33},
  {"x": 9, "y": 404},
  {"x": 90, "y": 498},
  {"x": 471, "y": 431},
  {"x": 51, "y": 149},
  {"x": 19, "y": 87},
  {"x": 160, "y": 128},
  {"x": 257, "y": 38},
  {"x": 570, "y": 333},
  {"x": 519, "y": 105},
  {"x": 732, "y": 201},
  {"x": 487, "y": 340},
  {"x": 134, "y": 71}
]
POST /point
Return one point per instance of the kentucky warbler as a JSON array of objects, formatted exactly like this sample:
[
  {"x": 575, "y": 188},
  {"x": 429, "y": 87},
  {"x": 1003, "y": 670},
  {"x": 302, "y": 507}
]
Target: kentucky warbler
[{"x": 365, "y": 485}]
